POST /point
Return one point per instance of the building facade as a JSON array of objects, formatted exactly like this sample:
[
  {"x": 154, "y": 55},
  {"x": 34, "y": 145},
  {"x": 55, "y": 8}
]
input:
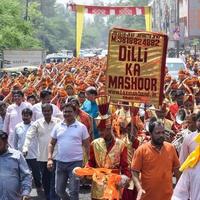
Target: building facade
[
  {"x": 179, "y": 19},
  {"x": 164, "y": 19}
]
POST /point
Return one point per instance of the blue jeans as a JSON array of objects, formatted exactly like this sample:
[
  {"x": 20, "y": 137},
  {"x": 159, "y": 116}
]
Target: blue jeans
[
  {"x": 48, "y": 181},
  {"x": 63, "y": 173}
]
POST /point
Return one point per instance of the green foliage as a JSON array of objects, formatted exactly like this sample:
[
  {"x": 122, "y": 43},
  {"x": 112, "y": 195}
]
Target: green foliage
[
  {"x": 195, "y": 42},
  {"x": 96, "y": 34},
  {"x": 52, "y": 26},
  {"x": 15, "y": 32}
]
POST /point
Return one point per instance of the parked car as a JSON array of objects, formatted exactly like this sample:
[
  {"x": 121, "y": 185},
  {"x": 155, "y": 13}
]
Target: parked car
[
  {"x": 56, "y": 58},
  {"x": 69, "y": 53},
  {"x": 103, "y": 53},
  {"x": 19, "y": 69},
  {"x": 86, "y": 53},
  {"x": 15, "y": 71},
  {"x": 174, "y": 65}
]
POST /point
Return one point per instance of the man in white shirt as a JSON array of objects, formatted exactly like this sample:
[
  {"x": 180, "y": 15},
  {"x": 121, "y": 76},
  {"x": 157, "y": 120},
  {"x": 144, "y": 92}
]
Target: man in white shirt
[
  {"x": 13, "y": 114},
  {"x": 188, "y": 143},
  {"x": 41, "y": 129},
  {"x": 70, "y": 135},
  {"x": 189, "y": 182},
  {"x": 188, "y": 185},
  {"x": 20, "y": 135},
  {"x": 45, "y": 97}
]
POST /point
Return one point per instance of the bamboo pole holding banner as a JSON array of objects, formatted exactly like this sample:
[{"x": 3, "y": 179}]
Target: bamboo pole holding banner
[
  {"x": 79, "y": 27},
  {"x": 148, "y": 18}
]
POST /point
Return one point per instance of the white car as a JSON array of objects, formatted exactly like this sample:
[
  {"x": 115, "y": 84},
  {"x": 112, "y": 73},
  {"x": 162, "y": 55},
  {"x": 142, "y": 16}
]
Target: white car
[
  {"x": 103, "y": 53},
  {"x": 174, "y": 65},
  {"x": 56, "y": 57},
  {"x": 84, "y": 53}
]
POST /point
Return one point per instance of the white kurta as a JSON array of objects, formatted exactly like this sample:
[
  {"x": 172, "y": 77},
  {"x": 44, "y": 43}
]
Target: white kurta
[
  {"x": 188, "y": 146},
  {"x": 37, "y": 112},
  {"x": 42, "y": 131},
  {"x": 188, "y": 186},
  {"x": 12, "y": 118}
]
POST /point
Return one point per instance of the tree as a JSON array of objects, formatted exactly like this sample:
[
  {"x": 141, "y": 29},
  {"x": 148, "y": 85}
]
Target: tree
[
  {"x": 56, "y": 32},
  {"x": 15, "y": 32},
  {"x": 52, "y": 26},
  {"x": 96, "y": 33}
]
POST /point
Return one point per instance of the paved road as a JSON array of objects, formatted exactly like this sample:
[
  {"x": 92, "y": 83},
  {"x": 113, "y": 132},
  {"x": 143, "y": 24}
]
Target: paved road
[{"x": 84, "y": 195}]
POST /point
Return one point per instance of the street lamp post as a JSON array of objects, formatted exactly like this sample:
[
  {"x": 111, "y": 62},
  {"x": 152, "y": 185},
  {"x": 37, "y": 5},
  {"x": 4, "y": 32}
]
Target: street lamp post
[{"x": 26, "y": 14}]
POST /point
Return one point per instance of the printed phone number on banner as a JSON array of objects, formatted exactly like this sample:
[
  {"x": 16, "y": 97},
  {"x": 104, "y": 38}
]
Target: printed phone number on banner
[{"x": 123, "y": 38}]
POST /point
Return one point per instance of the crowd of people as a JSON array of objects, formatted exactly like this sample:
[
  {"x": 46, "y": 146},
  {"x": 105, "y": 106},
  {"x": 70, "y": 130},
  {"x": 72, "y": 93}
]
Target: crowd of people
[{"x": 58, "y": 120}]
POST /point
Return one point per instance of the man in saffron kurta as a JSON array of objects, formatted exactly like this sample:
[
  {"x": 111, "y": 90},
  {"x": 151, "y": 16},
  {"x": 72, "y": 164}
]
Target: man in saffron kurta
[
  {"x": 107, "y": 152},
  {"x": 155, "y": 163}
]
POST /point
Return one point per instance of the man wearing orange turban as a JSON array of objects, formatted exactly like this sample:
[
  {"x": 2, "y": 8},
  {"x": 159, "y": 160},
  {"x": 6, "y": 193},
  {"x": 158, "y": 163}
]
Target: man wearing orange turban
[{"x": 108, "y": 152}]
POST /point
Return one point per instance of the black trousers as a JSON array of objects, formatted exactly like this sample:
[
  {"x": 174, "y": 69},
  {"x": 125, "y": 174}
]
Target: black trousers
[
  {"x": 35, "y": 168},
  {"x": 48, "y": 181}
]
